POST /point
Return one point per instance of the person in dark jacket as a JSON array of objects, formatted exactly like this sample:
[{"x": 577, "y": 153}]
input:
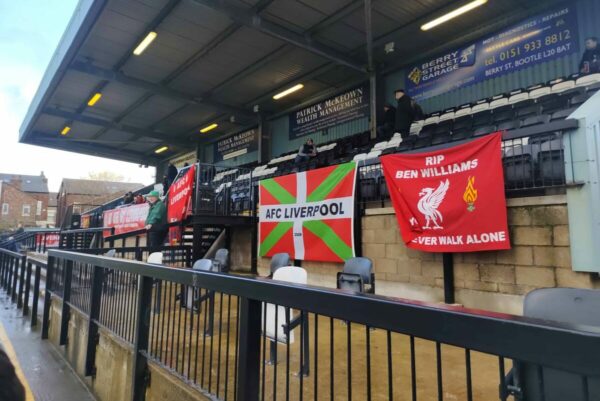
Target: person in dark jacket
[
  {"x": 405, "y": 113},
  {"x": 156, "y": 222},
  {"x": 10, "y": 386},
  {"x": 171, "y": 173},
  {"x": 386, "y": 129},
  {"x": 590, "y": 61},
  {"x": 306, "y": 152}
]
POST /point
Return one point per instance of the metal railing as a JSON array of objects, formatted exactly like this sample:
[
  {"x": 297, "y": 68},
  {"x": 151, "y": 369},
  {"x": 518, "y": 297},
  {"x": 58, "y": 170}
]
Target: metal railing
[
  {"x": 217, "y": 332},
  {"x": 224, "y": 191},
  {"x": 533, "y": 164}
]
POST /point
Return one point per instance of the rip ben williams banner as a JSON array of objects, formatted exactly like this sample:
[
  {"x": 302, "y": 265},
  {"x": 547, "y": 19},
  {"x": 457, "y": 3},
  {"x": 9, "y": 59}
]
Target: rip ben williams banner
[{"x": 450, "y": 200}]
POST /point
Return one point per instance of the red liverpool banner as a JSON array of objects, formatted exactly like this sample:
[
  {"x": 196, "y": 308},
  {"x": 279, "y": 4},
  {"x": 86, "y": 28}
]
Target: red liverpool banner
[
  {"x": 180, "y": 202},
  {"x": 126, "y": 219},
  {"x": 450, "y": 200},
  {"x": 309, "y": 215}
]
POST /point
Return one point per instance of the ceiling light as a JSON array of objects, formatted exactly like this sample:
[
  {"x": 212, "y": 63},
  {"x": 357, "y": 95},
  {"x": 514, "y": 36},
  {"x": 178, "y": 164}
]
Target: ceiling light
[
  {"x": 94, "y": 99},
  {"x": 453, "y": 14},
  {"x": 288, "y": 91},
  {"x": 209, "y": 127},
  {"x": 145, "y": 43},
  {"x": 65, "y": 130},
  {"x": 161, "y": 149}
]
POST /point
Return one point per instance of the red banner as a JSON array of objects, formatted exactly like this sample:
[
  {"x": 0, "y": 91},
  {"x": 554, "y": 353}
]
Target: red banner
[
  {"x": 450, "y": 200},
  {"x": 180, "y": 202},
  {"x": 126, "y": 219},
  {"x": 52, "y": 240}
]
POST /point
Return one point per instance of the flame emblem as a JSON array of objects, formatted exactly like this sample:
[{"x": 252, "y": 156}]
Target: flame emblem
[{"x": 470, "y": 195}]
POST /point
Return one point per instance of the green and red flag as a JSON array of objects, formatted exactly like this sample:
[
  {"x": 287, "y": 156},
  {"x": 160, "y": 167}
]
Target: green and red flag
[{"x": 309, "y": 215}]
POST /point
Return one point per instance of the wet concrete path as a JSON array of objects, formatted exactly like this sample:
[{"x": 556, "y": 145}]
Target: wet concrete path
[{"x": 46, "y": 375}]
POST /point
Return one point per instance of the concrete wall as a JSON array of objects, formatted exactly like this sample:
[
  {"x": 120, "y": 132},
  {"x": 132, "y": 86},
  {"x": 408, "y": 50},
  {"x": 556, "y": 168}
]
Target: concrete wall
[
  {"x": 114, "y": 364},
  {"x": 540, "y": 257}
]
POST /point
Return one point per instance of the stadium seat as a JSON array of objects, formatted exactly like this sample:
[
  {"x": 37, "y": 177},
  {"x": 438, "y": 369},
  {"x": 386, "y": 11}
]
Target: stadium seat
[
  {"x": 279, "y": 260},
  {"x": 481, "y": 119},
  {"x": 423, "y": 141},
  {"x": 276, "y": 320},
  {"x": 432, "y": 120},
  {"x": 528, "y": 111},
  {"x": 428, "y": 130},
  {"x": 500, "y": 101},
  {"x": 464, "y": 110},
  {"x": 538, "y": 91},
  {"x": 447, "y": 116},
  {"x": 357, "y": 274},
  {"x": 553, "y": 102},
  {"x": 562, "y": 86},
  {"x": 113, "y": 253},
  {"x": 380, "y": 145},
  {"x": 221, "y": 260},
  {"x": 480, "y": 106},
  {"x": 360, "y": 157},
  {"x": 562, "y": 114},
  {"x": 587, "y": 80},
  {"x": 155, "y": 258},
  {"x": 519, "y": 167},
  {"x": 593, "y": 88},
  {"x": 578, "y": 100},
  {"x": 441, "y": 138},
  {"x": 463, "y": 122},
  {"x": 573, "y": 307},
  {"x": 484, "y": 130},
  {"x": 203, "y": 265},
  {"x": 501, "y": 114},
  {"x": 518, "y": 97},
  {"x": 551, "y": 162},
  {"x": 408, "y": 143},
  {"x": 460, "y": 134},
  {"x": 536, "y": 120},
  {"x": 508, "y": 125}
]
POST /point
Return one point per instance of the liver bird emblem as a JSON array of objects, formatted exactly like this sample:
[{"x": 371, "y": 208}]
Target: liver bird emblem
[{"x": 430, "y": 202}]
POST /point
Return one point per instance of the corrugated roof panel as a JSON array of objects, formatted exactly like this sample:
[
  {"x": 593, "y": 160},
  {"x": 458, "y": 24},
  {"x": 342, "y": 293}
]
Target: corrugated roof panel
[
  {"x": 327, "y": 7},
  {"x": 154, "y": 109},
  {"x": 293, "y": 15},
  {"x": 74, "y": 90},
  {"x": 117, "y": 136},
  {"x": 342, "y": 35},
  {"x": 202, "y": 16},
  {"x": 116, "y": 98},
  {"x": 139, "y": 9},
  {"x": 186, "y": 120},
  {"x": 49, "y": 124}
]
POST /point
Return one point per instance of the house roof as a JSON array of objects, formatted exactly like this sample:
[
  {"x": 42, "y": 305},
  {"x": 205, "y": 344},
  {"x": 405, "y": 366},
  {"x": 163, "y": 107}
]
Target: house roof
[
  {"x": 27, "y": 183},
  {"x": 92, "y": 187}
]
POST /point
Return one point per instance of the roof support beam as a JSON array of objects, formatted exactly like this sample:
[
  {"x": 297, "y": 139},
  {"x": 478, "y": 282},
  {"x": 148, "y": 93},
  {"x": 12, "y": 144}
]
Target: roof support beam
[
  {"x": 111, "y": 125},
  {"x": 112, "y": 75},
  {"x": 254, "y": 20}
]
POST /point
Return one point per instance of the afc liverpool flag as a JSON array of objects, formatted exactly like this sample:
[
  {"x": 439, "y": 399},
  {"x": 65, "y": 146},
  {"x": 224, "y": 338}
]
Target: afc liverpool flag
[
  {"x": 450, "y": 200},
  {"x": 309, "y": 215}
]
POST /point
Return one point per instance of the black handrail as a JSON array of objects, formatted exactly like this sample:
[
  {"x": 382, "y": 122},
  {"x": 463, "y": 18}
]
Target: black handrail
[{"x": 488, "y": 332}]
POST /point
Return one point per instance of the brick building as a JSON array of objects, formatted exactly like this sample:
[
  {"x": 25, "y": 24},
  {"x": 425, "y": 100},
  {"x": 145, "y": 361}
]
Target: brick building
[
  {"x": 23, "y": 200},
  {"x": 76, "y": 196}
]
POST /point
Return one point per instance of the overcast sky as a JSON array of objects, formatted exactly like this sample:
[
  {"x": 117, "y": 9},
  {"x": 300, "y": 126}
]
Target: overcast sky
[{"x": 29, "y": 33}]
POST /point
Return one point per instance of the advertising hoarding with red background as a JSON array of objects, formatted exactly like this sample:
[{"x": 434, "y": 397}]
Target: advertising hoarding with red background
[
  {"x": 450, "y": 200},
  {"x": 126, "y": 219}
]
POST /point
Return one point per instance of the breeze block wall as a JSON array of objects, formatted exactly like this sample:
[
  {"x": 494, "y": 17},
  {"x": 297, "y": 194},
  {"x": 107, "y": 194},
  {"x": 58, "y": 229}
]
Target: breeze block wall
[{"x": 497, "y": 280}]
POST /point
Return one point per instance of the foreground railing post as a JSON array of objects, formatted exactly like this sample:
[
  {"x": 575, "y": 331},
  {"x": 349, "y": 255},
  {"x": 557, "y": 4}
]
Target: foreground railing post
[
  {"x": 248, "y": 379},
  {"x": 47, "y": 296},
  {"x": 14, "y": 278},
  {"x": 92, "y": 340},
  {"x": 66, "y": 309},
  {"x": 22, "y": 263},
  {"x": 36, "y": 294},
  {"x": 27, "y": 290},
  {"x": 142, "y": 334}
]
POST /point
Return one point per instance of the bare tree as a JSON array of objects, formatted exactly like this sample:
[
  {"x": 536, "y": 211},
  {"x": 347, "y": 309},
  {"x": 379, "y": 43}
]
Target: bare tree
[{"x": 105, "y": 176}]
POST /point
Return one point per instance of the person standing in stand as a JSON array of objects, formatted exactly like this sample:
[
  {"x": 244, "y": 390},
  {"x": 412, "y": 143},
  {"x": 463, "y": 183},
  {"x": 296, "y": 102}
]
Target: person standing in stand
[
  {"x": 407, "y": 111},
  {"x": 590, "y": 61},
  {"x": 156, "y": 222}
]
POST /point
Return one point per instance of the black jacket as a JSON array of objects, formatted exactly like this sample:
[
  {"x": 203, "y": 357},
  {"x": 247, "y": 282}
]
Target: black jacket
[
  {"x": 590, "y": 61},
  {"x": 405, "y": 114},
  {"x": 389, "y": 118}
]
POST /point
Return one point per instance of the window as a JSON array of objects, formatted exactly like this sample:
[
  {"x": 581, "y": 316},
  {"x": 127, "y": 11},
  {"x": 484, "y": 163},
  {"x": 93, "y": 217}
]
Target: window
[
  {"x": 26, "y": 210},
  {"x": 38, "y": 208},
  {"x": 5, "y": 208}
]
